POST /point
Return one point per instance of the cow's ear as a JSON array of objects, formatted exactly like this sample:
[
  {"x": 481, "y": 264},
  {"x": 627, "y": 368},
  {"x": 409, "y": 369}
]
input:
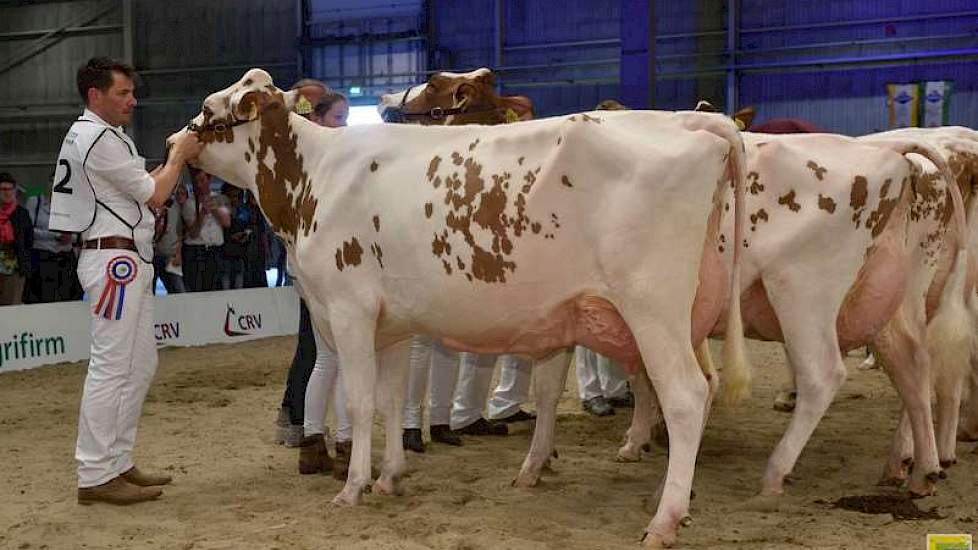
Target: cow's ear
[
  {"x": 521, "y": 106},
  {"x": 744, "y": 116},
  {"x": 249, "y": 104},
  {"x": 438, "y": 82}
]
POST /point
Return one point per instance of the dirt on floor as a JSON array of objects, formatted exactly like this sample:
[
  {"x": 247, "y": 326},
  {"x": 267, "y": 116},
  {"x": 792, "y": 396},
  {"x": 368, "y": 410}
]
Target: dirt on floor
[{"x": 208, "y": 421}]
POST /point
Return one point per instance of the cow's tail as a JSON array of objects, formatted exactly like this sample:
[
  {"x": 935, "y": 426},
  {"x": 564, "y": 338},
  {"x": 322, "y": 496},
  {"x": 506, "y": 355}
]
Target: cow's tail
[
  {"x": 736, "y": 367},
  {"x": 948, "y": 332}
]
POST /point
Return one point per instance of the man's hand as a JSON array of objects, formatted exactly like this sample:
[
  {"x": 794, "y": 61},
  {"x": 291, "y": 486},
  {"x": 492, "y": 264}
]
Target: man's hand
[{"x": 187, "y": 147}]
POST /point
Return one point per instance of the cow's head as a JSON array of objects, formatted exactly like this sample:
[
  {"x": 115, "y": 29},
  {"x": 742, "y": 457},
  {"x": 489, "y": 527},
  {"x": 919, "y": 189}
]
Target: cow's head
[
  {"x": 455, "y": 99},
  {"x": 251, "y": 143}
]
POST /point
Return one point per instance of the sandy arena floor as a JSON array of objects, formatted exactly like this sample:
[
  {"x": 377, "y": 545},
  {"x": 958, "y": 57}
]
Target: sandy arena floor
[{"x": 208, "y": 421}]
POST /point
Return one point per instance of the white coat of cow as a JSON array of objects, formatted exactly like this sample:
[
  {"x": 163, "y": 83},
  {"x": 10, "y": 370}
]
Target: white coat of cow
[
  {"x": 841, "y": 252},
  {"x": 525, "y": 238}
]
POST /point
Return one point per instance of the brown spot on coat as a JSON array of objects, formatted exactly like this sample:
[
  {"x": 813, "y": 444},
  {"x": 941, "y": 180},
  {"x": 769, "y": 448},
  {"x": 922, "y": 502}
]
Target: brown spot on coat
[
  {"x": 339, "y": 259},
  {"x": 819, "y": 171},
  {"x": 857, "y": 198},
  {"x": 473, "y": 144},
  {"x": 457, "y": 159},
  {"x": 826, "y": 203},
  {"x": 352, "y": 252},
  {"x": 520, "y": 161},
  {"x": 374, "y": 166},
  {"x": 755, "y": 186},
  {"x": 247, "y": 156},
  {"x": 789, "y": 201},
  {"x": 428, "y": 209},
  {"x": 566, "y": 181},
  {"x": 433, "y": 167},
  {"x": 377, "y": 222},
  {"x": 378, "y": 254}
]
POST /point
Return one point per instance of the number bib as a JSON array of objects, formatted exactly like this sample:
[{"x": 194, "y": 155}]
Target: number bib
[{"x": 72, "y": 195}]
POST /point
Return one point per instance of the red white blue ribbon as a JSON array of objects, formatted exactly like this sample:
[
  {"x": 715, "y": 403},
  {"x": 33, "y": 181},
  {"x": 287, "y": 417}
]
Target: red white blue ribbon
[{"x": 120, "y": 271}]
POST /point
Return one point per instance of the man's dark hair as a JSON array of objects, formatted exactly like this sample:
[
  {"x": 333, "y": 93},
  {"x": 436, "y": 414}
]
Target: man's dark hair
[
  {"x": 7, "y": 177},
  {"x": 97, "y": 73}
]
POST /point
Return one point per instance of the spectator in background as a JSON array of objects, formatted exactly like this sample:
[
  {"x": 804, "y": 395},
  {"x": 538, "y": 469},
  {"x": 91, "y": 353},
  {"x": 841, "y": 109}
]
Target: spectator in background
[
  {"x": 204, "y": 217},
  {"x": 16, "y": 240},
  {"x": 168, "y": 256},
  {"x": 332, "y": 110},
  {"x": 53, "y": 257},
  {"x": 257, "y": 253},
  {"x": 237, "y": 235}
]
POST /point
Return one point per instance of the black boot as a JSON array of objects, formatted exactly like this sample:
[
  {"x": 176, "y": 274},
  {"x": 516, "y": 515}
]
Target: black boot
[
  {"x": 443, "y": 434},
  {"x": 411, "y": 438}
]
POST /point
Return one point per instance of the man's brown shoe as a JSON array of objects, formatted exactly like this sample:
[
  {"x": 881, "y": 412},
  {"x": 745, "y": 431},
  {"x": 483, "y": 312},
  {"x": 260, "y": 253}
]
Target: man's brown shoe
[
  {"x": 313, "y": 456},
  {"x": 142, "y": 479},
  {"x": 118, "y": 491}
]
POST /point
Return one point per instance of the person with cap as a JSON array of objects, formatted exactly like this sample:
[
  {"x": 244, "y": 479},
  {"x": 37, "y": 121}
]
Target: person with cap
[{"x": 103, "y": 191}]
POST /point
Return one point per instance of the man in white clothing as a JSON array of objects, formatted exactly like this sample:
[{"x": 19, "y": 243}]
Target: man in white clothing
[
  {"x": 474, "y": 381},
  {"x": 102, "y": 190},
  {"x": 601, "y": 384}
]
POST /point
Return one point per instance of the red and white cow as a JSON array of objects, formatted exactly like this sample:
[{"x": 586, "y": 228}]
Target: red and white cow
[
  {"x": 959, "y": 148},
  {"x": 525, "y": 238},
  {"x": 840, "y": 252}
]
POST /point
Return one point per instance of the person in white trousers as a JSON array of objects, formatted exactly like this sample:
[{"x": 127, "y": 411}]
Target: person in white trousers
[
  {"x": 324, "y": 381},
  {"x": 600, "y": 383},
  {"x": 436, "y": 369},
  {"x": 115, "y": 268},
  {"x": 475, "y": 379}
]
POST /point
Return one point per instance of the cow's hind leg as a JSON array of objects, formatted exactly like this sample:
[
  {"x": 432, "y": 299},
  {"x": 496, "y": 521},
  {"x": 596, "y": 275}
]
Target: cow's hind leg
[
  {"x": 907, "y": 363},
  {"x": 644, "y": 414},
  {"x": 813, "y": 352},
  {"x": 968, "y": 430},
  {"x": 549, "y": 378},
  {"x": 897, "y": 468},
  {"x": 682, "y": 393},
  {"x": 391, "y": 389}
]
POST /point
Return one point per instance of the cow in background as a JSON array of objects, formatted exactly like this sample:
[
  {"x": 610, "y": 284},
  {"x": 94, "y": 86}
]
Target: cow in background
[
  {"x": 470, "y": 99},
  {"x": 527, "y": 238},
  {"x": 840, "y": 252}
]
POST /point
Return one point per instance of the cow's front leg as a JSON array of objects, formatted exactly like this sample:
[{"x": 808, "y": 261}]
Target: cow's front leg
[
  {"x": 354, "y": 334},
  {"x": 549, "y": 378},
  {"x": 391, "y": 389}
]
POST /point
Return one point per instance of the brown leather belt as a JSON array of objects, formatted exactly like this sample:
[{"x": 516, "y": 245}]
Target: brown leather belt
[{"x": 118, "y": 243}]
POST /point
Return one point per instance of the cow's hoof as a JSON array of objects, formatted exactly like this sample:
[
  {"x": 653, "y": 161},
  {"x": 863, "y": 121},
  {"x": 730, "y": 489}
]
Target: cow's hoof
[
  {"x": 785, "y": 402},
  {"x": 629, "y": 453},
  {"x": 526, "y": 480},
  {"x": 347, "y": 498},
  {"x": 389, "y": 486},
  {"x": 948, "y": 463},
  {"x": 925, "y": 487},
  {"x": 653, "y": 540},
  {"x": 548, "y": 467}
]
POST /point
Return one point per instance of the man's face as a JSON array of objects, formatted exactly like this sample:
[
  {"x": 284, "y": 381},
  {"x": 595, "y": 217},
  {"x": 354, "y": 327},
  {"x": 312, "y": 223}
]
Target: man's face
[
  {"x": 7, "y": 192},
  {"x": 116, "y": 104}
]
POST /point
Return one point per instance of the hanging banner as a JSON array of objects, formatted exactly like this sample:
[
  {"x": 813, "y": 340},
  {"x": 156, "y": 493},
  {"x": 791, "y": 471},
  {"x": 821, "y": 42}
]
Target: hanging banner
[
  {"x": 903, "y": 104},
  {"x": 937, "y": 99}
]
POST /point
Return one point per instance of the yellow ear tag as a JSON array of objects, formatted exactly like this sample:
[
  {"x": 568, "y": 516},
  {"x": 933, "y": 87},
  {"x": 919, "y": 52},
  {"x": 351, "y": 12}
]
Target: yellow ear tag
[
  {"x": 740, "y": 125},
  {"x": 511, "y": 116},
  {"x": 302, "y": 106}
]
